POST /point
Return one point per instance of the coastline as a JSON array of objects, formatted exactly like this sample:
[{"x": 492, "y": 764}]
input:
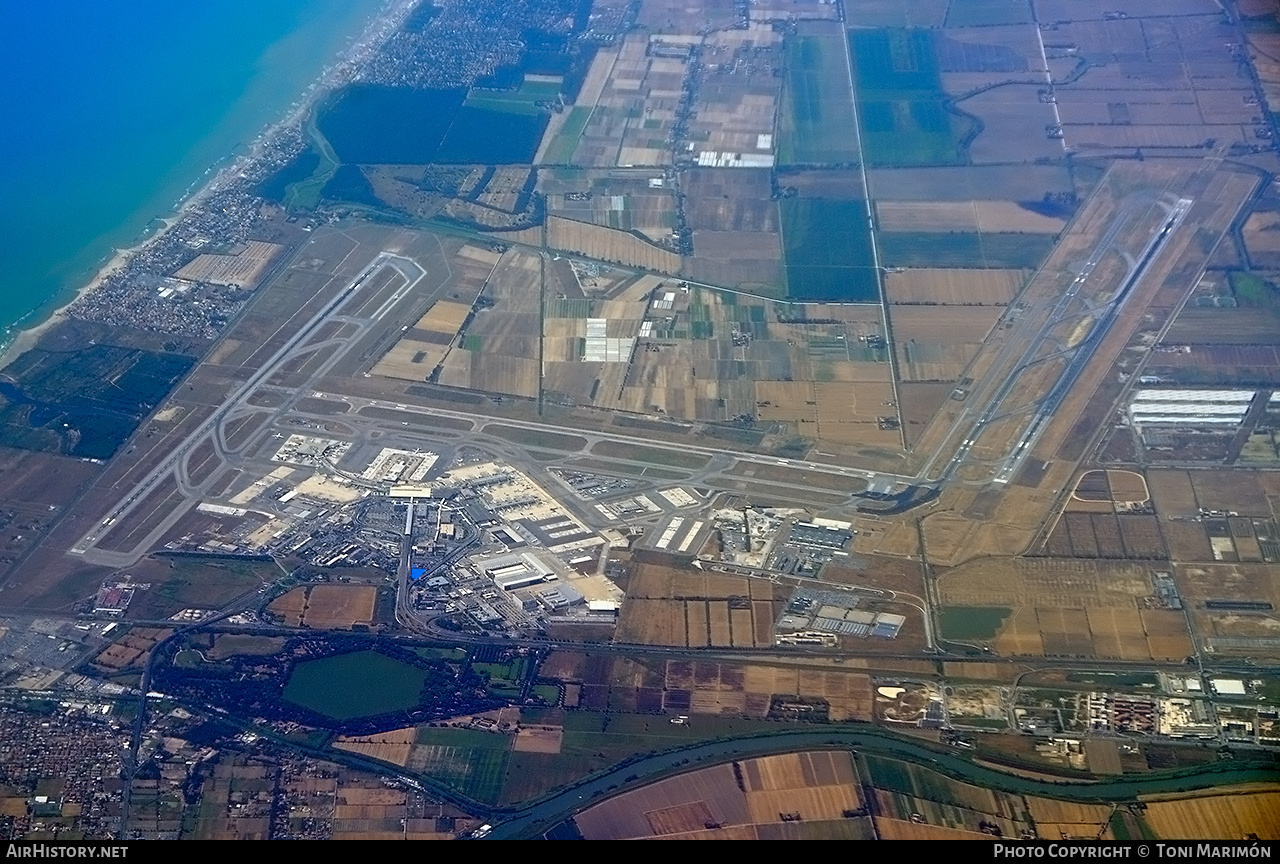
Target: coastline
[
  {"x": 25, "y": 339},
  {"x": 339, "y": 71}
]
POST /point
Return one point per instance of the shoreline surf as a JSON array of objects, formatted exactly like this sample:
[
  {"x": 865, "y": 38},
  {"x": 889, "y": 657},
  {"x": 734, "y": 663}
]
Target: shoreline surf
[{"x": 147, "y": 223}]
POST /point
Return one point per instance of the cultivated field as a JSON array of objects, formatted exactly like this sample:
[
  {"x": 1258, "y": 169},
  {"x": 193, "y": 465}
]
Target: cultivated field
[
  {"x": 953, "y": 287},
  {"x": 816, "y": 121},
  {"x": 327, "y": 607},
  {"x": 1055, "y": 819},
  {"x": 736, "y": 800},
  {"x": 609, "y": 244},
  {"x": 981, "y": 216},
  {"x": 668, "y": 606},
  {"x": 938, "y": 343},
  {"x": 499, "y": 351},
  {"x": 1156, "y": 101},
  {"x": 810, "y": 370},
  {"x": 912, "y": 793},
  {"x": 1069, "y": 608},
  {"x": 393, "y": 746},
  {"x": 618, "y": 198},
  {"x": 1234, "y": 815},
  {"x": 425, "y": 345}
]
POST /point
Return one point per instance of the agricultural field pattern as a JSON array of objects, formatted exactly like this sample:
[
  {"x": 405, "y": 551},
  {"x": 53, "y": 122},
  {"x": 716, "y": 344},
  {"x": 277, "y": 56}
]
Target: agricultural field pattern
[{"x": 699, "y": 379}]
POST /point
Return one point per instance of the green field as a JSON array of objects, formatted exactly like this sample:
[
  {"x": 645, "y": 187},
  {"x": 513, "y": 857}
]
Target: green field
[
  {"x": 1252, "y": 290},
  {"x": 469, "y": 760},
  {"x": 973, "y": 622},
  {"x": 456, "y": 655},
  {"x": 1114, "y": 679},
  {"x": 817, "y": 121},
  {"x": 359, "y": 684},
  {"x": 593, "y": 741},
  {"x": 828, "y": 252},
  {"x": 532, "y": 774},
  {"x": 548, "y": 693},
  {"x": 505, "y": 679},
  {"x": 983, "y": 722},
  {"x": 674, "y": 458},
  {"x": 537, "y": 438},
  {"x": 904, "y": 114},
  {"x": 919, "y": 782},
  {"x": 520, "y": 101},
  {"x": 631, "y": 470},
  {"x": 560, "y": 150},
  {"x": 200, "y": 583},
  {"x": 963, "y": 249},
  {"x": 984, "y": 13},
  {"x": 231, "y": 644}
]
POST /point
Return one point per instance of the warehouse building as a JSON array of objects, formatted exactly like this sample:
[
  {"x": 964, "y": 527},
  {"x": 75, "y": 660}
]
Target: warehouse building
[{"x": 1189, "y": 408}]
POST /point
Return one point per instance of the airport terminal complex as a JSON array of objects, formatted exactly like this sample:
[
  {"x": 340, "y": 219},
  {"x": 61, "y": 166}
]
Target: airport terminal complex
[{"x": 901, "y": 372}]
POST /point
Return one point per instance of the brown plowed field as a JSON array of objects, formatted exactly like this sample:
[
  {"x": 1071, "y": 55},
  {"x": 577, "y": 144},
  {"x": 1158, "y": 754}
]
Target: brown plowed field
[{"x": 954, "y": 286}]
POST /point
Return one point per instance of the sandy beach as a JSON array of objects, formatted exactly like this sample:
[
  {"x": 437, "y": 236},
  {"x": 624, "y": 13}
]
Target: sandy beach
[
  {"x": 341, "y": 72},
  {"x": 26, "y": 339}
]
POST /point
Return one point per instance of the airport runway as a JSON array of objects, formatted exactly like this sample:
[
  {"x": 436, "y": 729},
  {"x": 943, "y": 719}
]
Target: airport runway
[
  {"x": 1021, "y": 351},
  {"x": 174, "y": 465}
]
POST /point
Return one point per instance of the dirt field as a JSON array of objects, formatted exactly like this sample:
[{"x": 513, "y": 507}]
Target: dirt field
[
  {"x": 1068, "y": 812},
  {"x": 327, "y": 607},
  {"x": 670, "y": 606},
  {"x": 609, "y": 244},
  {"x": 340, "y": 607},
  {"x": 290, "y": 606},
  {"x": 937, "y": 343},
  {"x": 1255, "y": 632},
  {"x": 954, "y": 287},
  {"x": 1123, "y": 489},
  {"x": 848, "y": 694},
  {"x": 1240, "y": 491},
  {"x": 538, "y": 739},
  {"x": 1232, "y": 815},
  {"x": 1070, "y": 608},
  {"x": 657, "y": 622},
  {"x": 393, "y": 746},
  {"x": 984, "y": 216},
  {"x": 1172, "y": 492}
]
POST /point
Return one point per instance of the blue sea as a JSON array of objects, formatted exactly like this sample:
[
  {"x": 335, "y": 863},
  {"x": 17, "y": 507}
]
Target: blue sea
[{"x": 111, "y": 111}]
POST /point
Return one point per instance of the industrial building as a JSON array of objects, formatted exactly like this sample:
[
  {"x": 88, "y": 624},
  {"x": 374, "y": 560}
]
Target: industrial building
[
  {"x": 515, "y": 570},
  {"x": 1189, "y": 408}
]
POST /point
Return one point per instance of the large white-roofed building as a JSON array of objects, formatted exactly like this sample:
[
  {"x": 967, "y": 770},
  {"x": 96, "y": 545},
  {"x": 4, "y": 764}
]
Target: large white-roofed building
[{"x": 1189, "y": 408}]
